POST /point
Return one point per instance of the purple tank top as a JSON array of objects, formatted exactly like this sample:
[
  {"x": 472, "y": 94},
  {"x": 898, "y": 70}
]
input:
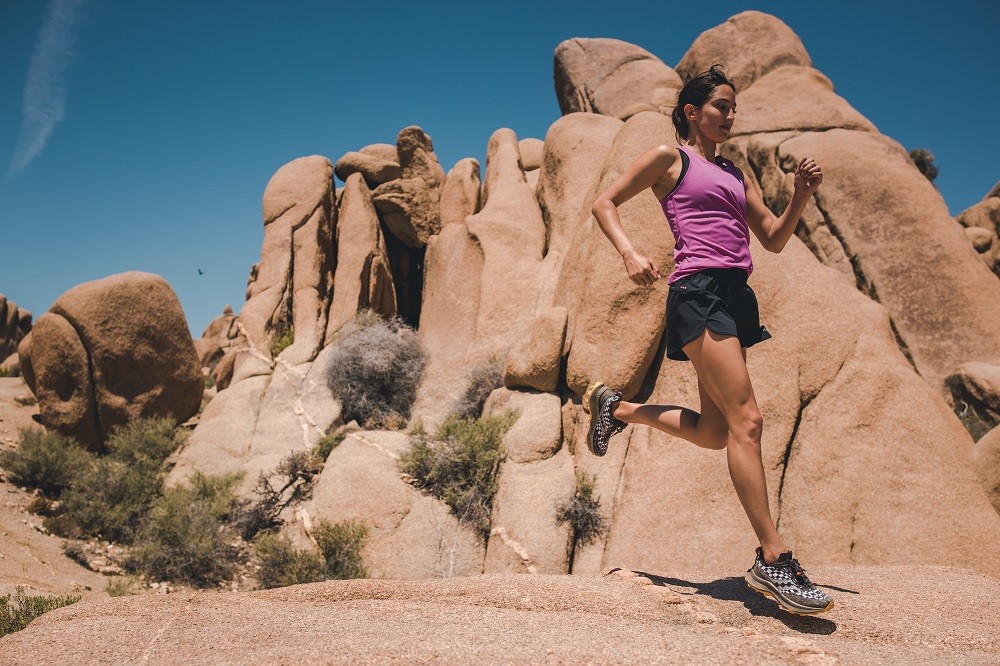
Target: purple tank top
[{"x": 707, "y": 213}]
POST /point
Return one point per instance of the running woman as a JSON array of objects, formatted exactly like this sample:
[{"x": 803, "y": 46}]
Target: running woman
[{"x": 712, "y": 315}]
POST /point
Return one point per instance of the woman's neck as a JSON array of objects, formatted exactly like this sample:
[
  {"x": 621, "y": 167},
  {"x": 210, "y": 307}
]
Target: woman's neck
[{"x": 702, "y": 146}]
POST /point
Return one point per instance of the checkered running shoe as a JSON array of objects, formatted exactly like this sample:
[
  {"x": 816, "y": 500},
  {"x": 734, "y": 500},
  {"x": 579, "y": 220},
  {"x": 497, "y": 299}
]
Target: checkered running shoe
[
  {"x": 787, "y": 583},
  {"x": 599, "y": 401}
]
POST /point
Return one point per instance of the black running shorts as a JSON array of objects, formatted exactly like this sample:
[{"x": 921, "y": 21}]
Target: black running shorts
[{"x": 718, "y": 299}]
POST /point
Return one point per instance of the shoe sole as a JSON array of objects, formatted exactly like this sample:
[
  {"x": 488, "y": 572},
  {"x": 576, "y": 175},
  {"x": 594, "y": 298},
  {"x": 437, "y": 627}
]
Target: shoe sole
[
  {"x": 590, "y": 407},
  {"x": 761, "y": 586}
]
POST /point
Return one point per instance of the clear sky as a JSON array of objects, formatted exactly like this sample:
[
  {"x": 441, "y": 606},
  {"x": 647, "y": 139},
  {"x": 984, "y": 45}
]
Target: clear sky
[{"x": 141, "y": 135}]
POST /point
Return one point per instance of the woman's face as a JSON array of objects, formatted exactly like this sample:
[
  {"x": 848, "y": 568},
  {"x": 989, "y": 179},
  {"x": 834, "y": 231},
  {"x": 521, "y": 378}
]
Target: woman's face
[{"x": 715, "y": 118}]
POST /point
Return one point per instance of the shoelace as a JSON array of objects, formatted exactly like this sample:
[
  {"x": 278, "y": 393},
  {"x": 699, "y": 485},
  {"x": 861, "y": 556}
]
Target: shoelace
[
  {"x": 616, "y": 425},
  {"x": 800, "y": 574}
]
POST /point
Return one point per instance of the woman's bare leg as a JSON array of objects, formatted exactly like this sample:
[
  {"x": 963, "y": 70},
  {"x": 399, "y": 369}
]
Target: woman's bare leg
[
  {"x": 707, "y": 429},
  {"x": 722, "y": 370}
]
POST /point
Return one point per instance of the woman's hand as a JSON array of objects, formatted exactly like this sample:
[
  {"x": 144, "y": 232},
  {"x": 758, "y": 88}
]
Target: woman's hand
[
  {"x": 808, "y": 176},
  {"x": 640, "y": 269}
]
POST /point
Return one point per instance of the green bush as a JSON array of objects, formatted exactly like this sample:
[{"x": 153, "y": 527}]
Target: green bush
[
  {"x": 483, "y": 378},
  {"x": 582, "y": 512},
  {"x": 281, "y": 564},
  {"x": 375, "y": 371},
  {"x": 17, "y": 615},
  {"x": 121, "y": 586},
  {"x": 185, "y": 537},
  {"x": 118, "y": 489},
  {"x": 9, "y": 371},
  {"x": 341, "y": 544},
  {"x": 459, "y": 466},
  {"x": 45, "y": 460},
  {"x": 284, "y": 336},
  {"x": 923, "y": 159}
]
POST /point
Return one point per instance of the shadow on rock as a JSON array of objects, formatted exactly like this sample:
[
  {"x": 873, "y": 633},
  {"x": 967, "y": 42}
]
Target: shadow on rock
[{"x": 735, "y": 588}]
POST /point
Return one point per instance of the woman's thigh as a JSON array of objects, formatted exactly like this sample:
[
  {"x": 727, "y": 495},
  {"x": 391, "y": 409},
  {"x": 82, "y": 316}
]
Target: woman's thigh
[{"x": 722, "y": 374}]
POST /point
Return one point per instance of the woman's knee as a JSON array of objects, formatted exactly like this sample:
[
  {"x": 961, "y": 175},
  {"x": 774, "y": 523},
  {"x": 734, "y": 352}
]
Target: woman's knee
[{"x": 748, "y": 425}]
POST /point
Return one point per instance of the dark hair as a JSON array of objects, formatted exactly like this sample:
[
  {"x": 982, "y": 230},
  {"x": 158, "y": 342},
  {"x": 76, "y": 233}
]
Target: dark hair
[{"x": 696, "y": 92}]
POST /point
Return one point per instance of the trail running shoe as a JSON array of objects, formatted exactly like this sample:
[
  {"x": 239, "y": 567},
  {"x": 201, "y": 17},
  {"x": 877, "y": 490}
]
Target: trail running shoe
[
  {"x": 599, "y": 401},
  {"x": 787, "y": 583}
]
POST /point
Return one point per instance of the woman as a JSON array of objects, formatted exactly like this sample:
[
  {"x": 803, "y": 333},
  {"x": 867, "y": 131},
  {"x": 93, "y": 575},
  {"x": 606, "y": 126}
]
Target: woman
[{"x": 712, "y": 314}]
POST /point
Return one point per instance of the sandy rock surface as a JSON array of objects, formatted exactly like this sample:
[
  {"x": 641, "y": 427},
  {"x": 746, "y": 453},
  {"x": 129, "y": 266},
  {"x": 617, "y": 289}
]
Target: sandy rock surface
[{"x": 883, "y": 615}]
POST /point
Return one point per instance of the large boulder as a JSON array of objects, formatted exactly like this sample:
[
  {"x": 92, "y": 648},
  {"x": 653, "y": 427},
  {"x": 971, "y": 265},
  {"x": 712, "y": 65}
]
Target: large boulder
[
  {"x": 289, "y": 293},
  {"x": 807, "y": 103},
  {"x": 410, "y": 205},
  {"x": 110, "y": 351},
  {"x": 749, "y": 45},
  {"x": 375, "y": 170},
  {"x": 460, "y": 193},
  {"x": 363, "y": 279},
  {"x": 895, "y": 227},
  {"x": 612, "y": 77},
  {"x": 987, "y": 462},
  {"x": 222, "y": 336}
]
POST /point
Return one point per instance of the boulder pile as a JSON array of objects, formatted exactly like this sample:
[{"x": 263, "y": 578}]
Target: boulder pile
[{"x": 884, "y": 321}]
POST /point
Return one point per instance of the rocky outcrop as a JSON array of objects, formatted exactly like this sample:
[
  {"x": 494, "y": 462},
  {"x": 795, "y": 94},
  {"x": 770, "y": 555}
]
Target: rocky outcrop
[
  {"x": 612, "y": 77},
  {"x": 363, "y": 280},
  {"x": 110, "y": 351},
  {"x": 15, "y": 323},
  {"x": 748, "y": 45},
  {"x": 409, "y": 205},
  {"x": 872, "y": 306},
  {"x": 981, "y": 225},
  {"x": 375, "y": 170},
  {"x": 987, "y": 463},
  {"x": 289, "y": 291},
  {"x": 975, "y": 395},
  {"x": 221, "y": 337}
]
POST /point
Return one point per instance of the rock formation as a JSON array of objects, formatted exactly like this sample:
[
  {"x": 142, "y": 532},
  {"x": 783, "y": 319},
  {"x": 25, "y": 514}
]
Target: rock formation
[
  {"x": 873, "y": 305},
  {"x": 110, "y": 351},
  {"x": 981, "y": 225},
  {"x": 15, "y": 323},
  {"x": 612, "y": 77}
]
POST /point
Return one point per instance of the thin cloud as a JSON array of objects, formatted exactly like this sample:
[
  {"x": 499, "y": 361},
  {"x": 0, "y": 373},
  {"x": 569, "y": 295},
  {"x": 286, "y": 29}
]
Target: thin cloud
[{"x": 44, "y": 104}]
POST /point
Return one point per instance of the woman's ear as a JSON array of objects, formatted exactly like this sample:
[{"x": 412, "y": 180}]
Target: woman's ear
[{"x": 689, "y": 111}]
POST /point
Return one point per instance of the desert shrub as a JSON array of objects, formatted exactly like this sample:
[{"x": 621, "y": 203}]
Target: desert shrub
[
  {"x": 341, "y": 544},
  {"x": 284, "y": 336},
  {"x": 145, "y": 443},
  {"x": 288, "y": 484},
  {"x": 327, "y": 444},
  {"x": 582, "y": 512},
  {"x": 281, "y": 564},
  {"x": 9, "y": 371},
  {"x": 117, "y": 490},
  {"x": 46, "y": 461},
  {"x": 375, "y": 371},
  {"x": 17, "y": 613},
  {"x": 74, "y": 551},
  {"x": 459, "y": 466},
  {"x": 26, "y": 401},
  {"x": 185, "y": 537},
  {"x": 483, "y": 379},
  {"x": 121, "y": 586},
  {"x": 924, "y": 161}
]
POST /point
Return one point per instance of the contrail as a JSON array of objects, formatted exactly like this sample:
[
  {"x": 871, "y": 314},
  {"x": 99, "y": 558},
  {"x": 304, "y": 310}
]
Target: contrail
[{"x": 44, "y": 104}]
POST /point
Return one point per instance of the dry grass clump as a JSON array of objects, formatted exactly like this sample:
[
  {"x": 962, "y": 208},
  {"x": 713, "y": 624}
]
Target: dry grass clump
[
  {"x": 288, "y": 484},
  {"x": 459, "y": 465},
  {"x": 483, "y": 378},
  {"x": 375, "y": 371},
  {"x": 283, "y": 337},
  {"x": 17, "y": 612},
  {"x": 582, "y": 512}
]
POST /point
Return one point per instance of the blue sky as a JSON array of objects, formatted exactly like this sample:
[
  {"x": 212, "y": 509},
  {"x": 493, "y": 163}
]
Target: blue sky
[{"x": 141, "y": 135}]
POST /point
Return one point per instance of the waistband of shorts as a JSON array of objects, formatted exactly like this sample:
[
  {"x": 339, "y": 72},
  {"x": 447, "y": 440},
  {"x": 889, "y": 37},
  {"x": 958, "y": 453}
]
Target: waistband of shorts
[{"x": 725, "y": 274}]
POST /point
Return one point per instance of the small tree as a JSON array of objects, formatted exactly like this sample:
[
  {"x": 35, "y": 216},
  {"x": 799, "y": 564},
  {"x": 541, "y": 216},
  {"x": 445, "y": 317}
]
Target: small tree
[{"x": 924, "y": 160}]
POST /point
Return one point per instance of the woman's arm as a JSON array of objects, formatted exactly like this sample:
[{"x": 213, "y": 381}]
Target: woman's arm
[
  {"x": 773, "y": 232},
  {"x": 651, "y": 168}
]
